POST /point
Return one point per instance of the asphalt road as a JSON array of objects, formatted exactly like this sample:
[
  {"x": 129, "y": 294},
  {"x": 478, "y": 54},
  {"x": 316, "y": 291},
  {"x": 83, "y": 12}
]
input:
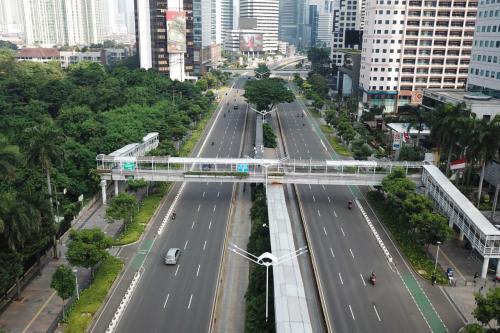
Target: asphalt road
[
  {"x": 180, "y": 298},
  {"x": 346, "y": 252}
]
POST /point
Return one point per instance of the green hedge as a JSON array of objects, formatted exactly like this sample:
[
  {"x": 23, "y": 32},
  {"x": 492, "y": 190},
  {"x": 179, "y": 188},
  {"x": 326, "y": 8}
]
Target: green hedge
[
  {"x": 416, "y": 255},
  {"x": 83, "y": 310},
  {"x": 269, "y": 136},
  {"x": 147, "y": 208},
  {"x": 259, "y": 242},
  {"x": 188, "y": 146}
]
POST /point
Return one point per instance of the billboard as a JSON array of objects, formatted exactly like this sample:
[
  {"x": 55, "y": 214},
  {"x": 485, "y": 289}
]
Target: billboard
[
  {"x": 251, "y": 42},
  {"x": 176, "y": 31}
]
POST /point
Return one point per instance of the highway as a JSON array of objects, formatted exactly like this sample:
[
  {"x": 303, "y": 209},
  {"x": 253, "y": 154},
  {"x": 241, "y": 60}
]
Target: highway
[
  {"x": 180, "y": 298},
  {"x": 346, "y": 251}
]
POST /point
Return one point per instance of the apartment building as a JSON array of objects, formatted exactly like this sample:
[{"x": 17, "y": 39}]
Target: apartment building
[
  {"x": 484, "y": 70},
  {"x": 411, "y": 45},
  {"x": 266, "y": 12}
]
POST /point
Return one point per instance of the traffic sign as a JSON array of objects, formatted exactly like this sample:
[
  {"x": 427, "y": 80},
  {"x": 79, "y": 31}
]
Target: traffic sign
[
  {"x": 128, "y": 166},
  {"x": 242, "y": 167}
]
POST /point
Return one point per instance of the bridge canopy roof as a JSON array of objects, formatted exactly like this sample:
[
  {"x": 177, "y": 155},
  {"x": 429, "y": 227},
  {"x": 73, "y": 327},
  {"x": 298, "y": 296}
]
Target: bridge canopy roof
[{"x": 474, "y": 215}]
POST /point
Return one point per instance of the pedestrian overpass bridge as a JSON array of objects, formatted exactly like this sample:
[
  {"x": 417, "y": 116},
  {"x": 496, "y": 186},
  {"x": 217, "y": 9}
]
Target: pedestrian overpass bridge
[{"x": 248, "y": 170}]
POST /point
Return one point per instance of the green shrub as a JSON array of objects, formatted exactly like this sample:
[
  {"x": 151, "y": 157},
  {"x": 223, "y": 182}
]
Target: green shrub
[
  {"x": 269, "y": 136},
  {"x": 82, "y": 311}
]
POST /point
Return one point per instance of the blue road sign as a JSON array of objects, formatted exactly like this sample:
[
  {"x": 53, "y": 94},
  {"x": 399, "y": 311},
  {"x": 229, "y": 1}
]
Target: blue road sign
[{"x": 242, "y": 167}]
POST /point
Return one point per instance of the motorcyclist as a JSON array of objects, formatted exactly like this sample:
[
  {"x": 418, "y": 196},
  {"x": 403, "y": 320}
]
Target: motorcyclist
[
  {"x": 174, "y": 214},
  {"x": 213, "y": 143},
  {"x": 349, "y": 204},
  {"x": 373, "y": 278}
]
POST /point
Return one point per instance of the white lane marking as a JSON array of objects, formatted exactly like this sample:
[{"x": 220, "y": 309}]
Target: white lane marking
[
  {"x": 204, "y": 245},
  {"x": 203, "y": 194},
  {"x": 323, "y": 186},
  {"x": 210, "y": 225},
  {"x": 199, "y": 206},
  {"x": 191, "y": 298},
  {"x": 329, "y": 201},
  {"x": 215, "y": 205},
  {"x": 362, "y": 279},
  {"x": 352, "y": 254},
  {"x": 308, "y": 184},
  {"x": 319, "y": 213},
  {"x": 308, "y": 152},
  {"x": 198, "y": 270},
  {"x": 314, "y": 199},
  {"x": 323, "y": 144},
  {"x": 177, "y": 270},
  {"x": 352, "y": 313},
  {"x": 340, "y": 277},
  {"x": 335, "y": 213},
  {"x": 376, "y": 312},
  {"x": 324, "y": 230},
  {"x": 165, "y": 304},
  {"x": 185, "y": 245},
  {"x": 331, "y": 251},
  {"x": 192, "y": 225},
  {"x": 218, "y": 194},
  {"x": 343, "y": 233}
]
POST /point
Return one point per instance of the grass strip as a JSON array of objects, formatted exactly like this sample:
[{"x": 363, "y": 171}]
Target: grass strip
[
  {"x": 420, "y": 260},
  {"x": 188, "y": 146},
  {"x": 83, "y": 310},
  {"x": 147, "y": 208},
  {"x": 337, "y": 146}
]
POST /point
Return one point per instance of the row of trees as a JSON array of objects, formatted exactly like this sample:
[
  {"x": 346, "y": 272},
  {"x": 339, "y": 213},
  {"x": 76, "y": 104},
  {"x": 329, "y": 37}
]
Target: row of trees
[
  {"x": 415, "y": 210},
  {"x": 55, "y": 122}
]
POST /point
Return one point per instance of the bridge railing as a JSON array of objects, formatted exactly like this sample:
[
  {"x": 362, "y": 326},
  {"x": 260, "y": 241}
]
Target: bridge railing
[{"x": 252, "y": 166}]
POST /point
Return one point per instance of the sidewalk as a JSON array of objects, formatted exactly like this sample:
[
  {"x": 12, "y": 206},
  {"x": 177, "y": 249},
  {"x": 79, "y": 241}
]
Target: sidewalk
[
  {"x": 39, "y": 306},
  {"x": 465, "y": 264}
]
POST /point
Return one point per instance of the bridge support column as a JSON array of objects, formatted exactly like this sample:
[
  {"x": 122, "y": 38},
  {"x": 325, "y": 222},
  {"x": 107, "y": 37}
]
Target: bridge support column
[
  {"x": 484, "y": 271},
  {"x": 450, "y": 223},
  {"x": 461, "y": 236},
  {"x": 497, "y": 275},
  {"x": 117, "y": 188},
  {"x": 103, "y": 191}
]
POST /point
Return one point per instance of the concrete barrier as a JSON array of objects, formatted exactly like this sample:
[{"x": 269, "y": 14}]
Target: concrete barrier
[
  {"x": 374, "y": 231},
  {"x": 124, "y": 302}
]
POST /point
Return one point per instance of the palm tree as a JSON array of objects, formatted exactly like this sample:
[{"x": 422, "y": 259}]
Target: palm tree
[
  {"x": 487, "y": 146},
  {"x": 43, "y": 147}
]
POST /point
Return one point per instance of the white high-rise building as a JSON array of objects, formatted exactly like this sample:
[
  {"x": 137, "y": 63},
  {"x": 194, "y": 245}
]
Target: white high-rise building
[
  {"x": 63, "y": 22},
  {"x": 484, "y": 70},
  {"x": 229, "y": 17},
  {"x": 410, "y": 45},
  {"x": 10, "y": 17},
  {"x": 267, "y": 14}
]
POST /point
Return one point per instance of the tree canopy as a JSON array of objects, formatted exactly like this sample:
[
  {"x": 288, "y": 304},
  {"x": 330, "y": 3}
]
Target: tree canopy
[{"x": 266, "y": 94}]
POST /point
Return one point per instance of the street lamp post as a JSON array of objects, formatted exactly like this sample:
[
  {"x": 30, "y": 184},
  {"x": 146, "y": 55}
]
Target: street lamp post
[
  {"x": 436, "y": 262},
  {"x": 75, "y": 271},
  {"x": 267, "y": 259},
  {"x": 261, "y": 74}
]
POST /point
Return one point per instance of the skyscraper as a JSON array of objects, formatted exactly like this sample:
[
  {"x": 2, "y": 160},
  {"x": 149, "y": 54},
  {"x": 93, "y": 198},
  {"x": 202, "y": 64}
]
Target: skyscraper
[
  {"x": 267, "y": 14},
  {"x": 63, "y": 22},
  {"x": 289, "y": 21},
  {"x": 409, "y": 45},
  {"x": 165, "y": 32},
  {"x": 484, "y": 70}
]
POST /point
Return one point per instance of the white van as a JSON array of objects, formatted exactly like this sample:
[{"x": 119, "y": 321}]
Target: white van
[{"x": 172, "y": 256}]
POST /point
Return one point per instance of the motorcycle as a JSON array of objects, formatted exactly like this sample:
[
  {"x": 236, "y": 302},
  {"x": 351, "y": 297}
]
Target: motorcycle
[
  {"x": 349, "y": 205},
  {"x": 373, "y": 279},
  {"x": 174, "y": 215}
]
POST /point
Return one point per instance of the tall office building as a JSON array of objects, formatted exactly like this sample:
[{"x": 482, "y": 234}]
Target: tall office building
[
  {"x": 10, "y": 17},
  {"x": 484, "y": 69},
  {"x": 409, "y": 45},
  {"x": 289, "y": 21},
  {"x": 63, "y": 22},
  {"x": 207, "y": 34},
  {"x": 165, "y": 36},
  {"x": 267, "y": 14},
  {"x": 230, "y": 12}
]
